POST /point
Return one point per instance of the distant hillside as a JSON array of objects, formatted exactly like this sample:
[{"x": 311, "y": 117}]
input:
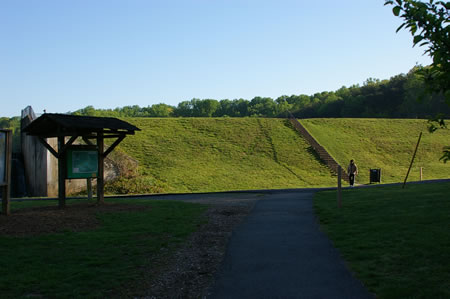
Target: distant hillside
[
  {"x": 383, "y": 143},
  {"x": 217, "y": 154}
]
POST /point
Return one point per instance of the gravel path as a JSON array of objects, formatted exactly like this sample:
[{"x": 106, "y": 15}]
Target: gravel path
[{"x": 189, "y": 273}]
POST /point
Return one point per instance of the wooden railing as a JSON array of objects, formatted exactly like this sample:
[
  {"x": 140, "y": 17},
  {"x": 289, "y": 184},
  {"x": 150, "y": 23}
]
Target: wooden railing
[{"x": 320, "y": 150}]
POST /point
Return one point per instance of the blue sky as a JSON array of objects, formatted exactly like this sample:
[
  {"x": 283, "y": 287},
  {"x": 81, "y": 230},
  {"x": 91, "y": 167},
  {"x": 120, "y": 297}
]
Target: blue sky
[{"x": 64, "y": 55}]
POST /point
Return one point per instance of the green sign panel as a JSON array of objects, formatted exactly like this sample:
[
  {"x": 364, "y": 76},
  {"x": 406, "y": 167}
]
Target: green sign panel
[{"x": 82, "y": 163}]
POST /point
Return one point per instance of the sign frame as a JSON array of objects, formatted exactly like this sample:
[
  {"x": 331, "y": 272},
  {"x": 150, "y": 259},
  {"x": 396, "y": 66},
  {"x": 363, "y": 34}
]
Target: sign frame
[{"x": 82, "y": 162}]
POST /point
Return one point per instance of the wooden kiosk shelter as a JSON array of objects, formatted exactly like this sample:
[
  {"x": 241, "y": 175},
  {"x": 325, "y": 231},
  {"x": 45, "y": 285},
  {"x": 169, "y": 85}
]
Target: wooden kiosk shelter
[{"x": 90, "y": 157}]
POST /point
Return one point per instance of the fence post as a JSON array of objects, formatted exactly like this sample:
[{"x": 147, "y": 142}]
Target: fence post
[
  {"x": 339, "y": 188},
  {"x": 421, "y": 173}
]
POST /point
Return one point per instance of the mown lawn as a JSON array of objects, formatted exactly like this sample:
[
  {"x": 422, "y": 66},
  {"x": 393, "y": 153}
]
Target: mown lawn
[
  {"x": 396, "y": 240},
  {"x": 99, "y": 263},
  {"x": 220, "y": 154},
  {"x": 383, "y": 143}
]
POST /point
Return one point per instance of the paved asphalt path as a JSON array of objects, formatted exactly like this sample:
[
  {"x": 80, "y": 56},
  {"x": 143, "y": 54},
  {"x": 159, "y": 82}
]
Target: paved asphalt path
[{"x": 279, "y": 252}]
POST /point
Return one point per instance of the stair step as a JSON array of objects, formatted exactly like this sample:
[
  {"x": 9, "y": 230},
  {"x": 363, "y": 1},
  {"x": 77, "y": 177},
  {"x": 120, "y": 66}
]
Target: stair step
[{"x": 323, "y": 154}]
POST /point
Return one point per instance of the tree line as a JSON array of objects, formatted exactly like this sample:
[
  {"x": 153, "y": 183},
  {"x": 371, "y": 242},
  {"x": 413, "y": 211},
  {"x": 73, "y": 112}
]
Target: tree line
[
  {"x": 13, "y": 124},
  {"x": 401, "y": 96}
]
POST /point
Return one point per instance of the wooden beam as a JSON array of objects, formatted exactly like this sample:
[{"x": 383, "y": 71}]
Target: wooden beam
[
  {"x": 412, "y": 160},
  {"x": 116, "y": 143},
  {"x": 88, "y": 142},
  {"x": 106, "y": 136},
  {"x": 60, "y": 134},
  {"x": 116, "y": 131},
  {"x": 69, "y": 143},
  {"x": 48, "y": 146},
  {"x": 100, "y": 179},
  {"x": 114, "y": 136},
  {"x": 89, "y": 136},
  {"x": 6, "y": 192},
  {"x": 61, "y": 173},
  {"x": 89, "y": 188},
  {"x": 86, "y": 135}
]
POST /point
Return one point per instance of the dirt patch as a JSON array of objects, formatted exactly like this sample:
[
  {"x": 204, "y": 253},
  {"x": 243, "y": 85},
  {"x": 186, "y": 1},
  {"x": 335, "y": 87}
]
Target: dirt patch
[
  {"x": 45, "y": 220},
  {"x": 189, "y": 273}
]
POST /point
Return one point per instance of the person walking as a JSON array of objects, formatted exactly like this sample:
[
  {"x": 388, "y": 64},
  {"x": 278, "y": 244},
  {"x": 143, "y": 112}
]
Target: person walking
[{"x": 352, "y": 171}]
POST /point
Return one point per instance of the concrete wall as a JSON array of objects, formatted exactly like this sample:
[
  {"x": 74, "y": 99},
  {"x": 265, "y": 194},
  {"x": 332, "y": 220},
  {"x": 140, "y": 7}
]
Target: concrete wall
[
  {"x": 52, "y": 170},
  {"x": 35, "y": 162}
]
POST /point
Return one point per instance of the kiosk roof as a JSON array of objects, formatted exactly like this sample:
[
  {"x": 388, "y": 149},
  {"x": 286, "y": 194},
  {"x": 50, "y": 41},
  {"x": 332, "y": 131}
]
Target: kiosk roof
[{"x": 53, "y": 125}]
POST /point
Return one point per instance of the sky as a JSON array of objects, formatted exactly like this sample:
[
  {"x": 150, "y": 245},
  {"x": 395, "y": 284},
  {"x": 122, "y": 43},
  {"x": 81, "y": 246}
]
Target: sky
[{"x": 64, "y": 55}]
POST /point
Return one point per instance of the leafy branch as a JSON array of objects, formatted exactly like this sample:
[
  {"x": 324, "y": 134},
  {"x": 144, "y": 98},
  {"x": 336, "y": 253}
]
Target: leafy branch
[{"x": 428, "y": 24}]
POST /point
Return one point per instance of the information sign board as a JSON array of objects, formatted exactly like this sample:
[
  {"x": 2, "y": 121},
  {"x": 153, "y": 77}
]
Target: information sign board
[
  {"x": 82, "y": 163},
  {"x": 2, "y": 158}
]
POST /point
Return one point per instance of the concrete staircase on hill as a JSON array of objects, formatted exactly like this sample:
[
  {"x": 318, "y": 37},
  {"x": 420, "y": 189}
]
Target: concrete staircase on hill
[{"x": 320, "y": 150}]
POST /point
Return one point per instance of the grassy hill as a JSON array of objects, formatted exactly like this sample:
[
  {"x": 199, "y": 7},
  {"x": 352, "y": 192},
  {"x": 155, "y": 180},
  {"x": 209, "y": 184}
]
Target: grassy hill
[
  {"x": 383, "y": 143},
  {"x": 218, "y": 154}
]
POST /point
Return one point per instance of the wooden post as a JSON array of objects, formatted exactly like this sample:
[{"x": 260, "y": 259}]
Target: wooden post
[
  {"x": 339, "y": 188},
  {"x": 89, "y": 188},
  {"x": 100, "y": 179},
  {"x": 61, "y": 173},
  {"x": 412, "y": 160},
  {"x": 421, "y": 173},
  {"x": 6, "y": 189}
]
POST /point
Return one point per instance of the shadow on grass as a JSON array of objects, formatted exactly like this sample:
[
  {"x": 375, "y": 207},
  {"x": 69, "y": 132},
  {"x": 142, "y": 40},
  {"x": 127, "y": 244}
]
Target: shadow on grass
[{"x": 275, "y": 153}]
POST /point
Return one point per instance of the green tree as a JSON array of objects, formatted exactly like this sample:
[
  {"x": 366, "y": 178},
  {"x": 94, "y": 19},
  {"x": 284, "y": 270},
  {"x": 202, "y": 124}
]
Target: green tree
[
  {"x": 262, "y": 107},
  {"x": 282, "y": 106},
  {"x": 204, "y": 108},
  {"x": 87, "y": 111},
  {"x": 428, "y": 24},
  {"x": 225, "y": 108},
  {"x": 160, "y": 110},
  {"x": 299, "y": 102},
  {"x": 13, "y": 124},
  {"x": 241, "y": 107},
  {"x": 184, "y": 109}
]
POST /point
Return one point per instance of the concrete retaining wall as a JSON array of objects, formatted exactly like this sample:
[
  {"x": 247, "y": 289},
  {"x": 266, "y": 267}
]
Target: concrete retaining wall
[{"x": 35, "y": 162}]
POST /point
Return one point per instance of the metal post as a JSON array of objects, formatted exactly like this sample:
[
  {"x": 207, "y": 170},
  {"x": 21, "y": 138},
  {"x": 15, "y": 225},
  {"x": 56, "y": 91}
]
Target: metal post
[{"x": 339, "y": 188}]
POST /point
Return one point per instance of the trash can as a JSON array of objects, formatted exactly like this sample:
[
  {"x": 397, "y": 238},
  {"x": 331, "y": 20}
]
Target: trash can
[{"x": 375, "y": 175}]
